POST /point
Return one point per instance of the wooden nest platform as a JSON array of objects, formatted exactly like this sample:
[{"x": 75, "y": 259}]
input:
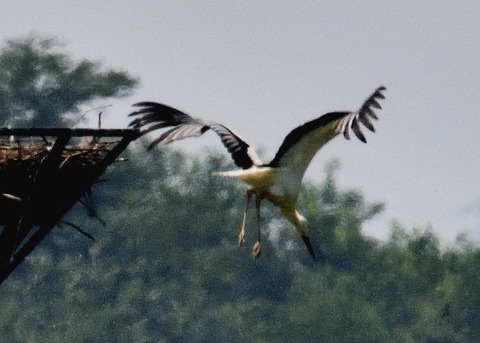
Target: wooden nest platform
[{"x": 43, "y": 173}]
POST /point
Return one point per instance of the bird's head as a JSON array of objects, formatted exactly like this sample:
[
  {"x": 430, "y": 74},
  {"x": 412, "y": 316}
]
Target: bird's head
[
  {"x": 302, "y": 227},
  {"x": 301, "y": 224}
]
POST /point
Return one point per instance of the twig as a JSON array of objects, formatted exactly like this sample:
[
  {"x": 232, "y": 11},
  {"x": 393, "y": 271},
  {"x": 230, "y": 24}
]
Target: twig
[
  {"x": 76, "y": 227},
  {"x": 85, "y": 113}
]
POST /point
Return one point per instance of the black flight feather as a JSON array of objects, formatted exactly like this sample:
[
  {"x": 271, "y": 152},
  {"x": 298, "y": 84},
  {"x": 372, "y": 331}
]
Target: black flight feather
[{"x": 153, "y": 116}]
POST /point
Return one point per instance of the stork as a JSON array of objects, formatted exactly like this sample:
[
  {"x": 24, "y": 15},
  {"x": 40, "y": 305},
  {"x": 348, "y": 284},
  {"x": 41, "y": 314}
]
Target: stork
[{"x": 278, "y": 181}]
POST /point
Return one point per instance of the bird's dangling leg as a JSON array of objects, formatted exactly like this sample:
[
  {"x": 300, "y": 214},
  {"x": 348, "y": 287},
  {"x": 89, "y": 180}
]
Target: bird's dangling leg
[
  {"x": 257, "y": 247},
  {"x": 241, "y": 236}
]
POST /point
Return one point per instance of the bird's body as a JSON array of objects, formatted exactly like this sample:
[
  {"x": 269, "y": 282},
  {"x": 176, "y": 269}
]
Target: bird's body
[{"x": 280, "y": 180}]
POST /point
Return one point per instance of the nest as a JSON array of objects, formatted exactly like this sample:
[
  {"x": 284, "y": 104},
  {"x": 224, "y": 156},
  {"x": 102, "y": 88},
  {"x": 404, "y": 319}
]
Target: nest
[
  {"x": 22, "y": 180},
  {"x": 42, "y": 178}
]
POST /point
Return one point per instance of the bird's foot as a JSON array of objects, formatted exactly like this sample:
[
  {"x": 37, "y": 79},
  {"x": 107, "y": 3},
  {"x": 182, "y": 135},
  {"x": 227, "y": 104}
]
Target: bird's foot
[
  {"x": 241, "y": 237},
  {"x": 257, "y": 250}
]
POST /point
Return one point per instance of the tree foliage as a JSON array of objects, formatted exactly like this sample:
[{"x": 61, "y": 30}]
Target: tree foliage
[
  {"x": 40, "y": 86},
  {"x": 167, "y": 268}
]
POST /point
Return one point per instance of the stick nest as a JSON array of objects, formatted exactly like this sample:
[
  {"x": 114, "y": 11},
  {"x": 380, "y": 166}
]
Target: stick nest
[{"x": 24, "y": 184}]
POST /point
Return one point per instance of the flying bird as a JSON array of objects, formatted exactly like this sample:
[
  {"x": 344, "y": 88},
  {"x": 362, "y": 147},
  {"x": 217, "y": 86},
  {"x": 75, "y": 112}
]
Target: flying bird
[{"x": 279, "y": 180}]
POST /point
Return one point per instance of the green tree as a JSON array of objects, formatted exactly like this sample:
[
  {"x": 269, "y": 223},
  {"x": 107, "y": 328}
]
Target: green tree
[
  {"x": 167, "y": 268},
  {"x": 330, "y": 306},
  {"x": 40, "y": 86},
  {"x": 460, "y": 289}
]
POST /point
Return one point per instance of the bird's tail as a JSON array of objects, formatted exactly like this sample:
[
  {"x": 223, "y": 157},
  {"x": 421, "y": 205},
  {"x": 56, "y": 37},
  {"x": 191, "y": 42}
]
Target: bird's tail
[{"x": 260, "y": 178}]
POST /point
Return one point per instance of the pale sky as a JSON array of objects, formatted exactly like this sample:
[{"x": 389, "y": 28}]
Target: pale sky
[{"x": 264, "y": 67}]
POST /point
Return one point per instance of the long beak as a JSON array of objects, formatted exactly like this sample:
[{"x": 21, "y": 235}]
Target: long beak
[{"x": 306, "y": 240}]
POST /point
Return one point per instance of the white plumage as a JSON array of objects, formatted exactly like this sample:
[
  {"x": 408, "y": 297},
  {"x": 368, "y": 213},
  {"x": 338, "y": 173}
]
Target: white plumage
[{"x": 278, "y": 181}]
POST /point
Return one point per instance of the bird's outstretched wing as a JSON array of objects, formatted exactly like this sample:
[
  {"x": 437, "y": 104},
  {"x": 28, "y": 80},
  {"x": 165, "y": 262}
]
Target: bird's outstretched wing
[
  {"x": 301, "y": 145},
  {"x": 153, "y": 116}
]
